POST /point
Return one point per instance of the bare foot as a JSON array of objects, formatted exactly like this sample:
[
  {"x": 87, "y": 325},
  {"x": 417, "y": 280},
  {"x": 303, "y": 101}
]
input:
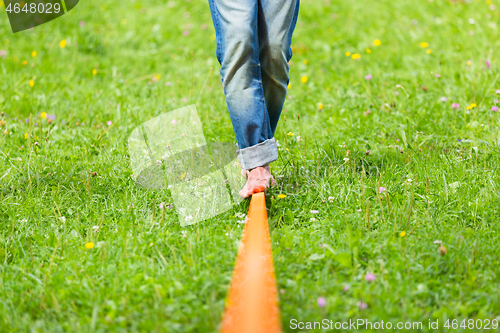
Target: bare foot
[{"x": 258, "y": 180}]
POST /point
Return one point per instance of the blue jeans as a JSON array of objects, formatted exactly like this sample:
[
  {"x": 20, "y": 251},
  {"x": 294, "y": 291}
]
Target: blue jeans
[{"x": 253, "y": 49}]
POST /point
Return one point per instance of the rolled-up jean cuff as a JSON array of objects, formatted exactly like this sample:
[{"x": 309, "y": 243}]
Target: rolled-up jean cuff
[{"x": 258, "y": 155}]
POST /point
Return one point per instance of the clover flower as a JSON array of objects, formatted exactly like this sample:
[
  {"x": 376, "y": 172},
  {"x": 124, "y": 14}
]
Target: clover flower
[
  {"x": 370, "y": 277},
  {"x": 321, "y": 302},
  {"x": 362, "y": 305}
]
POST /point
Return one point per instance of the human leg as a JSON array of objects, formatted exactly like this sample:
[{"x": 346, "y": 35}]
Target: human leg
[
  {"x": 236, "y": 24},
  {"x": 276, "y": 23}
]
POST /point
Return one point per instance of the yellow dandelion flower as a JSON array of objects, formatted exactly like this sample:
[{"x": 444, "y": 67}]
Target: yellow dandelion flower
[
  {"x": 44, "y": 115},
  {"x": 33, "y": 54},
  {"x": 94, "y": 71},
  {"x": 402, "y": 234},
  {"x": 157, "y": 77},
  {"x": 281, "y": 196},
  {"x": 473, "y": 105},
  {"x": 89, "y": 245},
  {"x": 32, "y": 83},
  {"x": 303, "y": 79},
  {"x": 26, "y": 136},
  {"x": 289, "y": 85},
  {"x": 377, "y": 42},
  {"x": 62, "y": 44},
  {"x": 287, "y": 149},
  {"x": 469, "y": 107},
  {"x": 469, "y": 62},
  {"x": 347, "y": 54},
  {"x": 355, "y": 56},
  {"x": 368, "y": 51},
  {"x": 183, "y": 176},
  {"x": 320, "y": 106},
  {"x": 290, "y": 134},
  {"x": 25, "y": 62},
  {"x": 428, "y": 51},
  {"x": 305, "y": 62},
  {"x": 424, "y": 45}
]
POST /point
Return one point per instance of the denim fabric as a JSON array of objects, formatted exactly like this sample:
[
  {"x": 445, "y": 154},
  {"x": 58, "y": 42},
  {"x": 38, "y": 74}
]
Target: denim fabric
[{"x": 253, "y": 48}]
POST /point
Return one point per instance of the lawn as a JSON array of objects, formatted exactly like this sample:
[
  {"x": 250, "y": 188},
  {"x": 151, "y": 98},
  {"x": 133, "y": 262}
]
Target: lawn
[{"x": 387, "y": 206}]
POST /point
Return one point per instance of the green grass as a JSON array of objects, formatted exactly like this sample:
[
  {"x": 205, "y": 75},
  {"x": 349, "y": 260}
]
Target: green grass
[{"x": 145, "y": 276}]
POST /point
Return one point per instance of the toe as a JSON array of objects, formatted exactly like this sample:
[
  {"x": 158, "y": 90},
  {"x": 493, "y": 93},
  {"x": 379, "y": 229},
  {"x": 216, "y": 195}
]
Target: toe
[
  {"x": 244, "y": 193},
  {"x": 259, "y": 188},
  {"x": 273, "y": 182}
]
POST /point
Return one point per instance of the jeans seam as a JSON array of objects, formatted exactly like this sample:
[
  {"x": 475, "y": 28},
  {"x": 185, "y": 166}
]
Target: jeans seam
[{"x": 218, "y": 32}]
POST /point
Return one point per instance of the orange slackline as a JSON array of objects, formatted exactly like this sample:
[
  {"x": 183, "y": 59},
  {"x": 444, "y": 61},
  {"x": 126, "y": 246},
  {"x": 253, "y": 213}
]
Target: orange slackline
[{"x": 252, "y": 304}]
